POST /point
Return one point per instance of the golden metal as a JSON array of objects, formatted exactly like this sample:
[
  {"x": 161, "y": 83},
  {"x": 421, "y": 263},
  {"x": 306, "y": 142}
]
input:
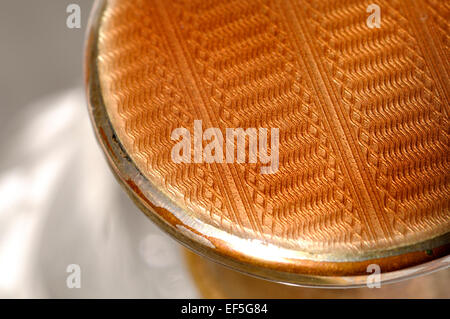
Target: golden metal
[
  {"x": 218, "y": 282},
  {"x": 363, "y": 119}
]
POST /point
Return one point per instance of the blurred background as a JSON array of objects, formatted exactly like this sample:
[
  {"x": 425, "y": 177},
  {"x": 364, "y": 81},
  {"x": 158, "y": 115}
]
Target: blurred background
[{"x": 60, "y": 204}]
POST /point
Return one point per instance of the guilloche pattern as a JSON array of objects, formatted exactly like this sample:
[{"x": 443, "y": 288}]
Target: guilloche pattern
[
  {"x": 362, "y": 114},
  {"x": 392, "y": 84}
]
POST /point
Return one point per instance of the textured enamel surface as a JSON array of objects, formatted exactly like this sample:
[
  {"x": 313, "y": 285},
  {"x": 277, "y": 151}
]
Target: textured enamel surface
[{"x": 362, "y": 114}]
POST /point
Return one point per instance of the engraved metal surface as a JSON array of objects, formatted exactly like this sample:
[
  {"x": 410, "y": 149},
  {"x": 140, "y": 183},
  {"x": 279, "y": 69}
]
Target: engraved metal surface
[{"x": 363, "y": 118}]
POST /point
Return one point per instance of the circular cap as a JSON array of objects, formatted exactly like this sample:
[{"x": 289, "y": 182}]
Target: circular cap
[{"x": 297, "y": 141}]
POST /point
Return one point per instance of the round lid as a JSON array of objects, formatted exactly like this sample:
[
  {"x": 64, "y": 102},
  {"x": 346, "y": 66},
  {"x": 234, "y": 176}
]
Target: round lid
[{"x": 303, "y": 142}]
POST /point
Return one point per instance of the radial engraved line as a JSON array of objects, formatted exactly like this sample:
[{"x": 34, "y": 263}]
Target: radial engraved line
[
  {"x": 184, "y": 56},
  {"x": 192, "y": 99},
  {"x": 358, "y": 180},
  {"x": 355, "y": 152},
  {"x": 433, "y": 59}
]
